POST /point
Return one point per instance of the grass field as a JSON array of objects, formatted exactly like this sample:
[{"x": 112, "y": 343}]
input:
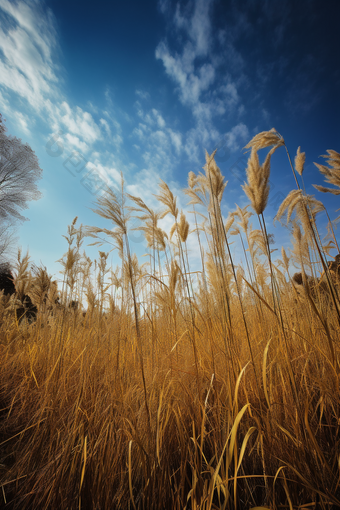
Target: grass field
[{"x": 178, "y": 389}]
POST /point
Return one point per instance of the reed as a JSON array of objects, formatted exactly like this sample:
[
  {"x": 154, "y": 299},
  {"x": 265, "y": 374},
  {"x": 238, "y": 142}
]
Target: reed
[{"x": 182, "y": 387}]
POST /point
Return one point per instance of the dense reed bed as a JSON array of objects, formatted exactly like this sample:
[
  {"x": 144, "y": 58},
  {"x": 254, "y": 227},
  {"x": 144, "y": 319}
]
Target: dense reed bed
[{"x": 180, "y": 388}]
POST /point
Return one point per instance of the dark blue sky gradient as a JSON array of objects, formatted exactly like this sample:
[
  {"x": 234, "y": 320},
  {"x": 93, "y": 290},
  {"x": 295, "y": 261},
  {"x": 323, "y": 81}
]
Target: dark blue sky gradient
[{"x": 109, "y": 43}]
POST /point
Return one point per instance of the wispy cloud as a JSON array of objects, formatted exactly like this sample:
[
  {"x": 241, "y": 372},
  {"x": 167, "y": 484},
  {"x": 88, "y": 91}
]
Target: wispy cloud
[
  {"x": 200, "y": 82},
  {"x": 195, "y": 70},
  {"x": 159, "y": 144},
  {"x": 75, "y": 121},
  {"x": 28, "y": 46}
]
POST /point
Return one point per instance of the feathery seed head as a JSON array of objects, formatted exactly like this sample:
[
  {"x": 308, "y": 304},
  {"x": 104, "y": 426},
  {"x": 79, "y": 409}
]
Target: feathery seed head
[
  {"x": 172, "y": 230},
  {"x": 183, "y": 227},
  {"x": 285, "y": 258},
  {"x": 155, "y": 237},
  {"x": 40, "y": 286},
  {"x": 265, "y": 139},
  {"x": 257, "y": 238},
  {"x": 244, "y": 215},
  {"x": 192, "y": 179},
  {"x": 305, "y": 207},
  {"x": 229, "y": 222},
  {"x": 332, "y": 172},
  {"x": 213, "y": 180},
  {"x": 300, "y": 159},
  {"x": 174, "y": 273},
  {"x": 257, "y": 188},
  {"x": 167, "y": 198},
  {"x": 333, "y": 158},
  {"x": 111, "y": 208}
]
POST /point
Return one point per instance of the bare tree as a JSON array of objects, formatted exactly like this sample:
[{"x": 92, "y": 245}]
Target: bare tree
[
  {"x": 19, "y": 172},
  {"x": 2, "y": 126},
  {"x": 8, "y": 240}
]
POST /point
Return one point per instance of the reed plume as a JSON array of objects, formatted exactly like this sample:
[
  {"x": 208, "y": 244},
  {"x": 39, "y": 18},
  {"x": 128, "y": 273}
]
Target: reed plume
[
  {"x": 266, "y": 139},
  {"x": 332, "y": 172},
  {"x": 166, "y": 197},
  {"x": 299, "y": 161},
  {"x": 257, "y": 188},
  {"x": 306, "y": 208},
  {"x": 42, "y": 290},
  {"x": 182, "y": 227},
  {"x": 22, "y": 274}
]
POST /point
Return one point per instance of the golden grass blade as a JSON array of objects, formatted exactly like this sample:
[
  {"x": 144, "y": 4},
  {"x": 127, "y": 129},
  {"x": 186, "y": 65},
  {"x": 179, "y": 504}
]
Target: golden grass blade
[
  {"x": 83, "y": 470},
  {"x": 243, "y": 447},
  {"x": 260, "y": 508},
  {"x": 33, "y": 375},
  {"x": 315, "y": 443},
  {"x": 287, "y": 491},
  {"x": 264, "y": 372},
  {"x": 237, "y": 387},
  {"x": 328, "y": 497},
  {"x": 294, "y": 440},
  {"x": 204, "y": 411},
  {"x": 180, "y": 338},
  {"x": 130, "y": 476},
  {"x": 232, "y": 439},
  {"x": 158, "y": 425},
  {"x": 22, "y": 431}
]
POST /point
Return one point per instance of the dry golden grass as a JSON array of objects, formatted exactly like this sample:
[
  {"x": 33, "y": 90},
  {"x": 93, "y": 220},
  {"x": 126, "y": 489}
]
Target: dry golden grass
[{"x": 216, "y": 389}]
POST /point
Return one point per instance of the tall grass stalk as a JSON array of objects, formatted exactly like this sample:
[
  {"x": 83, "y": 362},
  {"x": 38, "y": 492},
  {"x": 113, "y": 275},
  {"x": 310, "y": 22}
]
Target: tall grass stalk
[{"x": 175, "y": 391}]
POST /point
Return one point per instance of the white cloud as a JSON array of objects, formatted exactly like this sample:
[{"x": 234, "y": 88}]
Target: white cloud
[
  {"x": 25, "y": 16},
  {"x": 104, "y": 123},
  {"x": 180, "y": 20},
  {"x": 202, "y": 84},
  {"x": 176, "y": 139},
  {"x": 236, "y": 137},
  {"x": 145, "y": 186},
  {"x": 27, "y": 69},
  {"x": 196, "y": 74},
  {"x": 231, "y": 95},
  {"x": 74, "y": 141},
  {"x": 158, "y": 117},
  {"x": 158, "y": 144},
  {"x": 152, "y": 118},
  {"x": 140, "y": 131},
  {"x": 203, "y": 138},
  {"x": 117, "y": 140},
  {"x": 108, "y": 173},
  {"x": 24, "y": 122},
  {"x": 191, "y": 83},
  {"x": 163, "y": 5},
  {"x": 142, "y": 94},
  {"x": 191, "y": 78},
  {"x": 200, "y": 28},
  {"x": 76, "y": 121}
]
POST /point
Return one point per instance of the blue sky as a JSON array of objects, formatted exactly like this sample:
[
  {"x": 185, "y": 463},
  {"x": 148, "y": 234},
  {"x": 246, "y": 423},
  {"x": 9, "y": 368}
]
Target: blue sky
[{"x": 144, "y": 88}]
